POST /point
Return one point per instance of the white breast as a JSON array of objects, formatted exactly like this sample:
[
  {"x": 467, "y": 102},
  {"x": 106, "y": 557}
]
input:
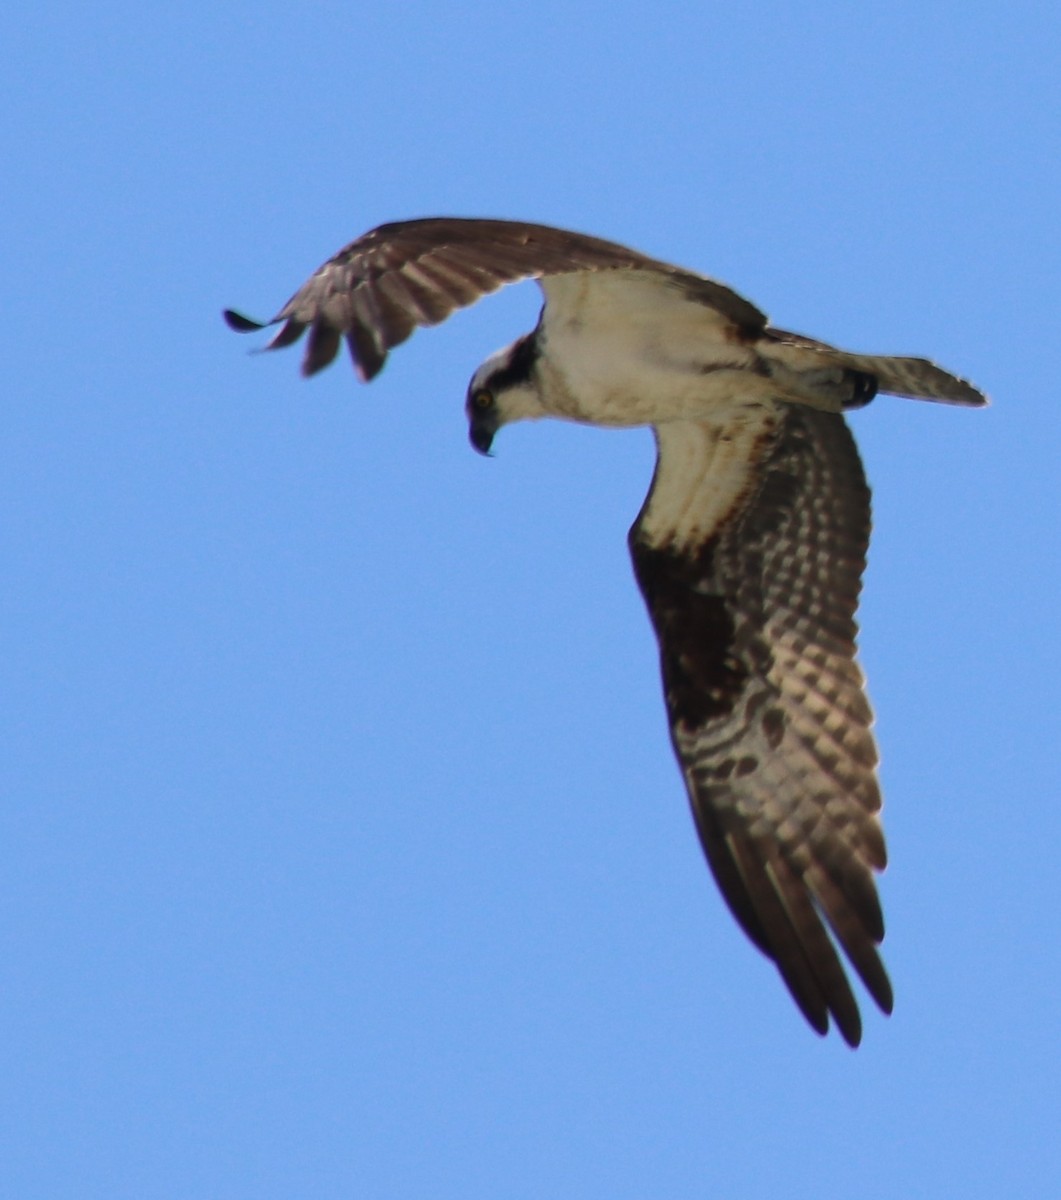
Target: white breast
[{"x": 629, "y": 348}]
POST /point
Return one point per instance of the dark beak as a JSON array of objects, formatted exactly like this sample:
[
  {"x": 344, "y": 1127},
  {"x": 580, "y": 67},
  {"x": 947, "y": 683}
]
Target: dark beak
[{"x": 481, "y": 430}]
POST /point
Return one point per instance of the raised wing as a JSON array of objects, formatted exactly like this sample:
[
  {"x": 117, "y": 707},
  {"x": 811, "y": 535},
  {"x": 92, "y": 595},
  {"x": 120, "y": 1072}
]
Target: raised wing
[
  {"x": 749, "y": 552},
  {"x": 378, "y": 289}
]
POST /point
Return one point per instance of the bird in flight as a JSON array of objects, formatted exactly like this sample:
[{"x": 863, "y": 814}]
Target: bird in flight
[{"x": 749, "y": 548}]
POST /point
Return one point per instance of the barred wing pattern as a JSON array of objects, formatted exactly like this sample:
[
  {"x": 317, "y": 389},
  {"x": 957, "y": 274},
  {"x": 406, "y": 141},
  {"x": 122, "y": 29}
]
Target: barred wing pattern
[
  {"x": 379, "y": 288},
  {"x": 768, "y": 714}
]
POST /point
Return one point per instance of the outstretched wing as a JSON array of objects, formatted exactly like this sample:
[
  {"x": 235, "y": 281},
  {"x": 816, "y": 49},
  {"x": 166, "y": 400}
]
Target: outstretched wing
[
  {"x": 378, "y": 289},
  {"x": 749, "y": 552}
]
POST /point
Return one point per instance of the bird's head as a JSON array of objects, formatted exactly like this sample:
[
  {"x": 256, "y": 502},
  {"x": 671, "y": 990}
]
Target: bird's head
[{"x": 504, "y": 389}]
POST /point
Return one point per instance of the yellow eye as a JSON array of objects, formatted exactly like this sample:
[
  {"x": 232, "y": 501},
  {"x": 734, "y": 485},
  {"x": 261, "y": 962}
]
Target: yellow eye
[{"x": 483, "y": 399}]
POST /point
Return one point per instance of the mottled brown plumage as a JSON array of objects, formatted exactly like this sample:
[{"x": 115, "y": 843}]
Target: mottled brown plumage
[{"x": 768, "y": 715}]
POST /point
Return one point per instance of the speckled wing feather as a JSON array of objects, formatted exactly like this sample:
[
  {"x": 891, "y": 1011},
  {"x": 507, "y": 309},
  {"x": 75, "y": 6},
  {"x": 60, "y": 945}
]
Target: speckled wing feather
[
  {"x": 769, "y": 719},
  {"x": 379, "y": 288}
]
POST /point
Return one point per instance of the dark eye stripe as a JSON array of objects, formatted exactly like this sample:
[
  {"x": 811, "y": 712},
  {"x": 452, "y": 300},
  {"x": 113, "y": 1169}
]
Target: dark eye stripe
[{"x": 517, "y": 370}]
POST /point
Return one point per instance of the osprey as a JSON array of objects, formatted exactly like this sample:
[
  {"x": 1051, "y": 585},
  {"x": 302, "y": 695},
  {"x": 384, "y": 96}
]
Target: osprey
[{"x": 749, "y": 548}]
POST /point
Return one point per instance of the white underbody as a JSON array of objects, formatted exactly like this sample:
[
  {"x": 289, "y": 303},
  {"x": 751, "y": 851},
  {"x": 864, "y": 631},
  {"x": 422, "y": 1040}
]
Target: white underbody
[
  {"x": 629, "y": 348},
  {"x": 627, "y": 351}
]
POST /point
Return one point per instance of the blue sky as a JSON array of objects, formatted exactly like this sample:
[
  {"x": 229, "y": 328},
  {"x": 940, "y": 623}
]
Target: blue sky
[{"x": 342, "y": 851}]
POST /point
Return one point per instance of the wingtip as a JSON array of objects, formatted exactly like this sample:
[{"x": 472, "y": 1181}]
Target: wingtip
[
  {"x": 853, "y": 1035},
  {"x": 240, "y": 323}
]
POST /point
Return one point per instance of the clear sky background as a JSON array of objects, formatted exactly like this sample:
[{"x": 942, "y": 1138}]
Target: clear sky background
[{"x": 342, "y": 850}]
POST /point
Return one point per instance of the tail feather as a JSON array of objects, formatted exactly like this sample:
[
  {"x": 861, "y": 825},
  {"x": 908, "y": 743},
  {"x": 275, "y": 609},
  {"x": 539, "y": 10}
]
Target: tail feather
[{"x": 917, "y": 378}]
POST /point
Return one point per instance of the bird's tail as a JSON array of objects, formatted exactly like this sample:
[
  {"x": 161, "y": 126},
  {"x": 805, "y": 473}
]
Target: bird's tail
[{"x": 917, "y": 378}]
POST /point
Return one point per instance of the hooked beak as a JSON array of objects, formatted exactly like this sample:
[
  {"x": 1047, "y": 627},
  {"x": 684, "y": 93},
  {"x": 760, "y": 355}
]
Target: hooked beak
[{"x": 481, "y": 430}]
